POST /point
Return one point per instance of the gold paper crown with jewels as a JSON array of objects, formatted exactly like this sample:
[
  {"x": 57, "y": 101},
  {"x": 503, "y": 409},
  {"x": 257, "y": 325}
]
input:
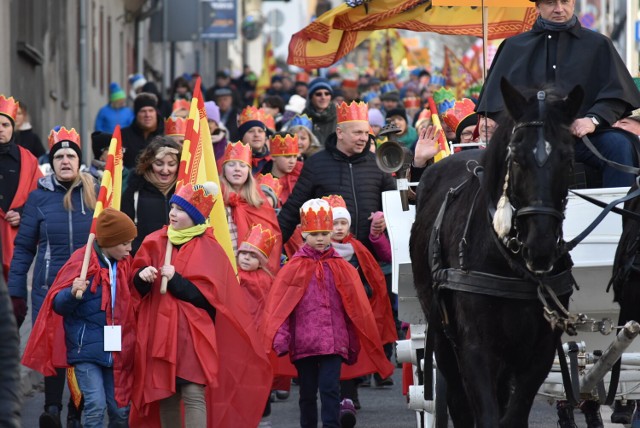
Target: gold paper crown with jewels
[
  {"x": 237, "y": 152},
  {"x": 9, "y": 107},
  {"x": 64, "y": 134},
  {"x": 252, "y": 113},
  {"x": 354, "y": 112},
  {"x": 284, "y": 145}
]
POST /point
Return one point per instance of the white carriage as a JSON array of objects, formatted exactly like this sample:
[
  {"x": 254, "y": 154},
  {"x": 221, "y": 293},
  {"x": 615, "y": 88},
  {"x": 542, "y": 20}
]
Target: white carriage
[{"x": 593, "y": 260}]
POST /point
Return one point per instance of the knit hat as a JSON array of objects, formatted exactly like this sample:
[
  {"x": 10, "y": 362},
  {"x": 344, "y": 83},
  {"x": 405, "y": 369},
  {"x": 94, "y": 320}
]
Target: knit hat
[
  {"x": 144, "y": 99},
  {"x": 319, "y": 83},
  {"x": 296, "y": 104},
  {"x": 137, "y": 81},
  {"x": 397, "y": 112},
  {"x": 222, "y": 92},
  {"x": 196, "y": 200},
  {"x": 259, "y": 241},
  {"x": 338, "y": 207},
  {"x": 115, "y": 92},
  {"x": 63, "y": 138},
  {"x": 316, "y": 216},
  {"x": 375, "y": 117},
  {"x": 213, "y": 111},
  {"x": 99, "y": 143},
  {"x": 113, "y": 228}
]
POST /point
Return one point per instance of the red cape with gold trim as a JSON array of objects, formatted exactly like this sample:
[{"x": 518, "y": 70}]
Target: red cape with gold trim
[
  {"x": 230, "y": 352},
  {"x": 289, "y": 287},
  {"x": 46, "y": 349},
  {"x": 28, "y": 181},
  {"x": 380, "y": 303}
]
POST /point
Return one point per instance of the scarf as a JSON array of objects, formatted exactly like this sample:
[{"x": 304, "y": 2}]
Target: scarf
[
  {"x": 556, "y": 26},
  {"x": 179, "y": 237},
  {"x": 162, "y": 187}
]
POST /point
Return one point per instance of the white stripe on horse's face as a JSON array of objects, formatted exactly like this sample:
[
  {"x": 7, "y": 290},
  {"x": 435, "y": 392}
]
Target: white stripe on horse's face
[{"x": 547, "y": 148}]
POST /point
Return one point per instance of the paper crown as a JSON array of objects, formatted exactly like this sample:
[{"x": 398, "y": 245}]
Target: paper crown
[
  {"x": 349, "y": 83},
  {"x": 259, "y": 238},
  {"x": 302, "y": 120},
  {"x": 251, "y": 113},
  {"x": 368, "y": 96},
  {"x": 388, "y": 87},
  {"x": 437, "y": 78},
  {"x": 175, "y": 126},
  {"x": 425, "y": 114},
  {"x": 412, "y": 102},
  {"x": 271, "y": 182},
  {"x": 181, "y": 105},
  {"x": 196, "y": 200},
  {"x": 444, "y": 99},
  {"x": 302, "y": 77},
  {"x": 9, "y": 107},
  {"x": 456, "y": 114},
  {"x": 316, "y": 216},
  {"x": 269, "y": 122},
  {"x": 237, "y": 152},
  {"x": 64, "y": 134},
  {"x": 354, "y": 112},
  {"x": 284, "y": 145},
  {"x": 338, "y": 207}
]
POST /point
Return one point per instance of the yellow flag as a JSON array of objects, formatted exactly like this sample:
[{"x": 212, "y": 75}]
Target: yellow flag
[
  {"x": 268, "y": 70},
  {"x": 111, "y": 186}
]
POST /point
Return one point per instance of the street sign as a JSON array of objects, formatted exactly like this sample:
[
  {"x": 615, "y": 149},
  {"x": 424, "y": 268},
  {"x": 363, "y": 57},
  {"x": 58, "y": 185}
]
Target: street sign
[{"x": 219, "y": 19}]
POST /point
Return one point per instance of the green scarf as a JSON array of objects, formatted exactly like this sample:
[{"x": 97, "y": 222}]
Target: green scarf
[{"x": 179, "y": 237}]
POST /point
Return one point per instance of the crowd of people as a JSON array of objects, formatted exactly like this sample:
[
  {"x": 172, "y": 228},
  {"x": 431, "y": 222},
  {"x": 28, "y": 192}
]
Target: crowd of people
[{"x": 302, "y": 194}]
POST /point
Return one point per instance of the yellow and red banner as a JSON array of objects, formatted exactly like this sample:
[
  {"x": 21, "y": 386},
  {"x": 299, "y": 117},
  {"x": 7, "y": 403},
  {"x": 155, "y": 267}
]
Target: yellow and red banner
[
  {"x": 338, "y": 31},
  {"x": 457, "y": 75},
  {"x": 442, "y": 139},
  {"x": 111, "y": 186},
  {"x": 386, "y": 50},
  {"x": 268, "y": 70},
  {"x": 198, "y": 164}
]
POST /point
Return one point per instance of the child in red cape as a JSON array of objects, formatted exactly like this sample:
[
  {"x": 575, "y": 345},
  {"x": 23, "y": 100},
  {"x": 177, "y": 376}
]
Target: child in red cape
[
  {"x": 245, "y": 203},
  {"x": 318, "y": 312},
  {"x": 98, "y": 338},
  {"x": 196, "y": 343},
  {"x": 284, "y": 164}
]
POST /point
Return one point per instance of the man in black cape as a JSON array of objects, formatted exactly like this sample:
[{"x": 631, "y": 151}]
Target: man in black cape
[{"x": 558, "y": 51}]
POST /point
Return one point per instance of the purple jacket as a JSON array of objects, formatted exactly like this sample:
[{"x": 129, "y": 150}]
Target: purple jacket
[
  {"x": 319, "y": 324},
  {"x": 381, "y": 247}
]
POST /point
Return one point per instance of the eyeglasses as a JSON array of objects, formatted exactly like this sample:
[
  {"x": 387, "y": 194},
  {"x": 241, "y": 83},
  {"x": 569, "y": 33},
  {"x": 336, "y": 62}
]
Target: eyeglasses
[
  {"x": 321, "y": 94},
  {"x": 466, "y": 134}
]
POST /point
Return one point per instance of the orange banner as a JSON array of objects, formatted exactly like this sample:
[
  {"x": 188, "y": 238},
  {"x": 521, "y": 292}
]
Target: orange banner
[{"x": 111, "y": 186}]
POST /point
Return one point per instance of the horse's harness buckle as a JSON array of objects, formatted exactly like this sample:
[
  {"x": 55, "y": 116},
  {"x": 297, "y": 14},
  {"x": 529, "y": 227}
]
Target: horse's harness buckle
[{"x": 513, "y": 244}]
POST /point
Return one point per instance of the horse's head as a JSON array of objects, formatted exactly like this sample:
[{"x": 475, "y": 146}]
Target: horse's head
[{"x": 539, "y": 159}]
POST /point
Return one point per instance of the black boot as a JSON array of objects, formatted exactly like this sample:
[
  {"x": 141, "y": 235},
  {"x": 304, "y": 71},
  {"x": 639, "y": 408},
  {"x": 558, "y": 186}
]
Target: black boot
[
  {"x": 622, "y": 412},
  {"x": 565, "y": 415},
  {"x": 51, "y": 417},
  {"x": 74, "y": 414},
  {"x": 591, "y": 410}
]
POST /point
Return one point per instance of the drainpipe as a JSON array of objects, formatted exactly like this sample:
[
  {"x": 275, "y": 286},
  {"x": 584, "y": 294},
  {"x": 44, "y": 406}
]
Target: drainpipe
[{"x": 83, "y": 78}]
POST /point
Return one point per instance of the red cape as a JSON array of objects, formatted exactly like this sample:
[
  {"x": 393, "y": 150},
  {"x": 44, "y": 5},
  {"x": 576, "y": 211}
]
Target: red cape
[
  {"x": 245, "y": 216},
  {"x": 380, "y": 303},
  {"x": 46, "y": 348},
  {"x": 294, "y": 243},
  {"x": 28, "y": 181},
  {"x": 289, "y": 287},
  {"x": 230, "y": 354},
  {"x": 256, "y": 286},
  {"x": 288, "y": 181}
]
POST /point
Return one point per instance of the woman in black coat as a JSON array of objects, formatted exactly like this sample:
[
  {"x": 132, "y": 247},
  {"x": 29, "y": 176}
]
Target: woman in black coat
[{"x": 150, "y": 187}]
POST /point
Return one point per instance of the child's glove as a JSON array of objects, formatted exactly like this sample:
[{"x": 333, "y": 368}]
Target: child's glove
[{"x": 378, "y": 224}]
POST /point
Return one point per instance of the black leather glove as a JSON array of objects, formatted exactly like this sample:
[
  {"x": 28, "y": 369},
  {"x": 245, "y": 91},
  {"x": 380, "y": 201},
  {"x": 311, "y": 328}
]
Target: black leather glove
[{"x": 19, "y": 309}]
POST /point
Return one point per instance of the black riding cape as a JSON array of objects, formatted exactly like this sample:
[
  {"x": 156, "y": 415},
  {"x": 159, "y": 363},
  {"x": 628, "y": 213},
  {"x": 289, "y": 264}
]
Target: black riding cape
[{"x": 584, "y": 58}]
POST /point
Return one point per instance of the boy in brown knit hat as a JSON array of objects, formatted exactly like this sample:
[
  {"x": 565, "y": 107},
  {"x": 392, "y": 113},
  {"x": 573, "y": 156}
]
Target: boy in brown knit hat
[{"x": 99, "y": 326}]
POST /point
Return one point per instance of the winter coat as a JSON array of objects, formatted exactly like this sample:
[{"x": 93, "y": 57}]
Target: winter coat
[
  {"x": 28, "y": 139},
  {"x": 10, "y": 390},
  {"x": 324, "y": 122},
  {"x": 151, "y": 210},
  {"x": 108, "y": 117},
  {"x": 133, "y": 141},
  {"x": 50, "y": 234},
  {"x": 356, "y": 178}
]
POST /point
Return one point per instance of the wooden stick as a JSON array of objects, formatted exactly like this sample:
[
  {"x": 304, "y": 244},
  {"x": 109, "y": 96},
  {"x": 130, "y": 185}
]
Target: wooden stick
[
  {"x": 85, "y": 262},
  {"x": 167, "y": 261}
]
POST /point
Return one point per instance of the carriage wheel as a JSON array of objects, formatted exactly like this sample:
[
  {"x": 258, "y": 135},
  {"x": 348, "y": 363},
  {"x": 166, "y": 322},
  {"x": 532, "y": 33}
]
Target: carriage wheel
[{"x": 442, "y": 418}]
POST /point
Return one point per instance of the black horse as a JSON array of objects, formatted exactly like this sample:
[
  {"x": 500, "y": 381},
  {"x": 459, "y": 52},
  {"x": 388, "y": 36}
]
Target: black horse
[{"x": 479, "y": 290}]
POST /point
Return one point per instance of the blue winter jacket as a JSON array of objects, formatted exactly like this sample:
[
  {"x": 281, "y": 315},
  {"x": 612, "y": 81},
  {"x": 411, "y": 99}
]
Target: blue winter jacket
[
  {"x": 108, "y": 117},
  {"x": 84, "y": 322},
  {"x": 50, "y": 234}
]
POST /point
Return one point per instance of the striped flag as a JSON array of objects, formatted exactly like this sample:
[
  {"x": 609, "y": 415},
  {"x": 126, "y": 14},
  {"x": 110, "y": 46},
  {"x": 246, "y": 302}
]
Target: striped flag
[
  {"x": 268, "y": 70},
  {"x": 111, "y": 186},
  {"x": 442, "y": 140},
  {"x": 198, "y": 164}
]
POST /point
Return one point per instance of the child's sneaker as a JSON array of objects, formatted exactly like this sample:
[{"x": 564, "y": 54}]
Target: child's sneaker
[{"x": 347, "y": 414}]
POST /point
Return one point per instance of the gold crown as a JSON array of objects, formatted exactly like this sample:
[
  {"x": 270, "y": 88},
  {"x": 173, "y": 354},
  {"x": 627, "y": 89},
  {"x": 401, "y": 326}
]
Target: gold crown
[
  {"x": 181, "y": 104},
  {"x": 271, "y": 182},
  {"x": 237, "y": 152},
  {"x": 251, "y": 113},
  {"x": 284, "y": 146},
  {"x": 175, "y": 126},
  {"x": 9, "y": 107},
  {"x": 64, "y": 134},
  {"x": 261, "y": 239},
  {"x": 336, "y": 201},
  {"x": 353, "y": 112}
]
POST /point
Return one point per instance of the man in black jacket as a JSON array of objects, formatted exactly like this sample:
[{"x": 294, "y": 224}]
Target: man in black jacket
[
  {"x": 558, "y": 51},
  {"x": 146, "y": 125},
  {"x": 346, "y": 167}
]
